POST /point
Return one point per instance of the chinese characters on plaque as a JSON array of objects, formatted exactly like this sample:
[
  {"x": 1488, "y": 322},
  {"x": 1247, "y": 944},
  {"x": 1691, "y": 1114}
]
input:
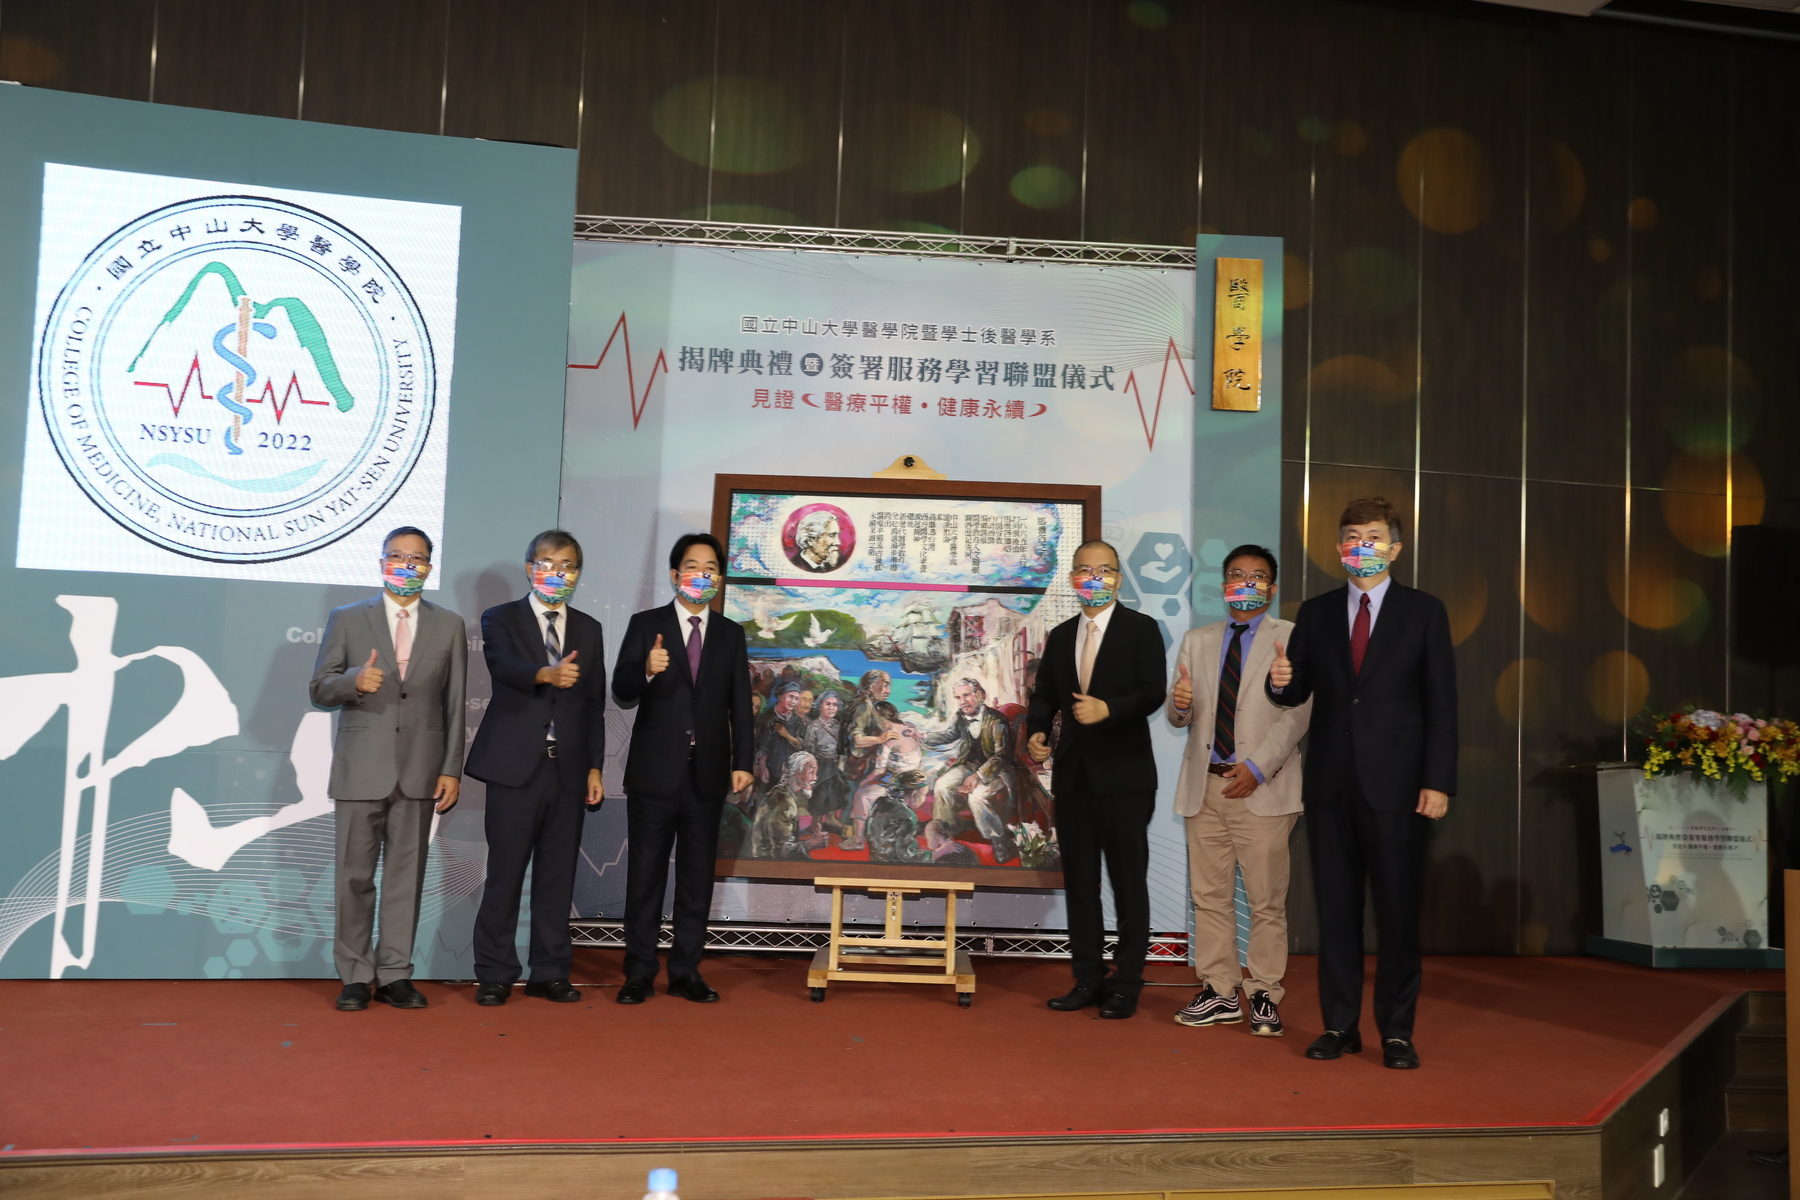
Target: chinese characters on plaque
[{"x": 1238, "y": 335}]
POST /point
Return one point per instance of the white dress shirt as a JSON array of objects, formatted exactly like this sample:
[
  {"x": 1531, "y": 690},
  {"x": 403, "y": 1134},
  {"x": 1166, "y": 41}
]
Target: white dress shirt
[
  {"x": 1081, "y": 635},
  {"x": 1375, "y": 595}
]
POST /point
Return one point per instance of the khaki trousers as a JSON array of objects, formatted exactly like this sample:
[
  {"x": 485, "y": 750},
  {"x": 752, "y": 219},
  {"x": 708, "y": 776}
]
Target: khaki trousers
[{"x": 1224, "y": 834}]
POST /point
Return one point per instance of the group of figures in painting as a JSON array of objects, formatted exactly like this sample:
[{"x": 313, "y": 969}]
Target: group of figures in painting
[{"x": 842, "y": 773}]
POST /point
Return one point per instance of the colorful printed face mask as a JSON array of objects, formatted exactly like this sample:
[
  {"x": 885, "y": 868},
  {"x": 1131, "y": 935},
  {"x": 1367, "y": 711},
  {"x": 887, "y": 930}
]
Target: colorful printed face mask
[
  {"x": 1096, "y": 591},
  {"x": 402, "y": 579},
  {"x": 553, "y": 587},
  {"x": 1246, "y": 596},
  {"x": 696, "y": 587},
  {"x": 1363, "y": 559}
]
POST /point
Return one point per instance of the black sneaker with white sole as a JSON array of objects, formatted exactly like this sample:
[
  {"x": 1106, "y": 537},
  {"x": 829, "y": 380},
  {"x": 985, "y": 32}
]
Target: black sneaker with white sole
[
  {"x": 1210, "y": 1008},
  {"x": 1265, "y": 1019}
]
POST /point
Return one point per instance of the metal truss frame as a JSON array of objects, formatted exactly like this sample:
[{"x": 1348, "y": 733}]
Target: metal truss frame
[
  {"x": 876, "y": 241},
  {"x": 745, "y": 937}
]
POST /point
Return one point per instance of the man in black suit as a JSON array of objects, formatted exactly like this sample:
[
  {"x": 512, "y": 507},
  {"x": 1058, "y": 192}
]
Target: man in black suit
[
  {"x": 1377, "y": 661},
  {"x": 687, "y": 670},
  {"x": 540, "y": 749},
  {"x": 1102, "y": 670}
]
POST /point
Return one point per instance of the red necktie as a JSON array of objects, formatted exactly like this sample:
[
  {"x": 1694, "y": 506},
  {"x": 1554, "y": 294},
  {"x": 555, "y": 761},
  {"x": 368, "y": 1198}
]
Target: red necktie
[{"x": 1359, "y": 635}]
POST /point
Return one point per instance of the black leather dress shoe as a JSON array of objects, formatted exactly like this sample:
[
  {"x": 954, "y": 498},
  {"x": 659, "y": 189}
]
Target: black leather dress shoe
[
  {"x": 354, "y": 997},
  {"x": 692, "y": 987},
  {"x": 492, "y": 995},
  {"x": 559, "y": 990},
  {"x": 1399, "y": 1054},
  {"x": 1335, "y": 1043},
  {"x": 636, "y": 991},
  {"x": 1115, "y": 1007},
  {"x": 1082, "y": 996},
  {"x": 401, "y": 994}
]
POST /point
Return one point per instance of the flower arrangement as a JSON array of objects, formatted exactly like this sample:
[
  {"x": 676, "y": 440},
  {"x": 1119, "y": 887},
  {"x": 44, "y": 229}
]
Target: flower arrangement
[
  {"x": 1735, "y": 748},
  {"x": 1038, "y": 850}
]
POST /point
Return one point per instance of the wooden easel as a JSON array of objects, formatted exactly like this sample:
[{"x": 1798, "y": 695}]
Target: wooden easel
[{"x": 829, "y": 960}]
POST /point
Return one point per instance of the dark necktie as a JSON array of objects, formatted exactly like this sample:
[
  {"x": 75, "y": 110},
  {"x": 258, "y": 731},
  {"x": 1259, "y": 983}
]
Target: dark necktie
[
  {"x": 1225, "y": 712},
  {"x": 694, "y": 650},
  {"x": 552, "y": 647},
  {"x": 1359, "y": 635}
]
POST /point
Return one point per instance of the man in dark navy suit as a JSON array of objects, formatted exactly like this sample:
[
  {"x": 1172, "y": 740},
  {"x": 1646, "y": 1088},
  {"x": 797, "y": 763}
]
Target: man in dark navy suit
[
  {"x": 540, "y": 750},
  {"x": 687, "y": 671},
  {"x": 1102, "y": 670},
  {"x": 1377, "y": 661}
]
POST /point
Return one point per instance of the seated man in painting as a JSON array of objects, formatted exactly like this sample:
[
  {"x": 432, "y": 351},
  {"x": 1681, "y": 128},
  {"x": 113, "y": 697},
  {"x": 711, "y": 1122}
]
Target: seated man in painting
[
  {"x": 896, "y": 770},
  {"x": 979, "y": 764},
  {"x": 776, "y": 831}
]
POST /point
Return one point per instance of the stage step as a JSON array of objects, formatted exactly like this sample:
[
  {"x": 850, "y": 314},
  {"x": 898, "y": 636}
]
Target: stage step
[{"x": 1756, "y": 1098}]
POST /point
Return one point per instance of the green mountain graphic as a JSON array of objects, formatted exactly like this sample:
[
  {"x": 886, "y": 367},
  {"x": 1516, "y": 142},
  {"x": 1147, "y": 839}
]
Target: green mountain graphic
[{"x": 306, "y": 327}]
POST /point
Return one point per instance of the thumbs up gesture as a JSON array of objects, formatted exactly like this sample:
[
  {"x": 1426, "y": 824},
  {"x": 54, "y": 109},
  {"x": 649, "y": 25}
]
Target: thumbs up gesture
[
  {"x": 563, "y": 675},
  {"x": 369, "y": 678},
  {"x": 1282, "y": 672},
  {"x": 658, "y": 662},
  {"x": 1183, "y": 693}
]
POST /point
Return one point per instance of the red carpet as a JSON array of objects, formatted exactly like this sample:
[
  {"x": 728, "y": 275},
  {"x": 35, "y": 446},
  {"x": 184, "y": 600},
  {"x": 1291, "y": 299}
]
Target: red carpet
[{"x": 92, "y": 1064}]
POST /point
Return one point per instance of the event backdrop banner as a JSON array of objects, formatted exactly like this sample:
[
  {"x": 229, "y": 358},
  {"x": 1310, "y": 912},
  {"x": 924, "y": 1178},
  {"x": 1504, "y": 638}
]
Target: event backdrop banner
[
  {"x": 687, "y": 363},
  {"x": 235, "y": 352}
]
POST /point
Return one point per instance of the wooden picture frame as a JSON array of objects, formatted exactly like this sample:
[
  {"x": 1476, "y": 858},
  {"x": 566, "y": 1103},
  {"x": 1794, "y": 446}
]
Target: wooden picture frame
[{"x": 1024, "y": 790}]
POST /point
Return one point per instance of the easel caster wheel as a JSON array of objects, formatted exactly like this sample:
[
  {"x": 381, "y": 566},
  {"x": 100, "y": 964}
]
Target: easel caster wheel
[
  {"x": 818, "y": 995},
  {"x": 964, "y": 999}
]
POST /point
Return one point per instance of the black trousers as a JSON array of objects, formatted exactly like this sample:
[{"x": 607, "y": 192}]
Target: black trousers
[
  {"x": 1088, "y": 827},
  {"x": 1355, "y": 846},
  {"x": 687, "y": 825},
  {"x": 536, "y": 826}
]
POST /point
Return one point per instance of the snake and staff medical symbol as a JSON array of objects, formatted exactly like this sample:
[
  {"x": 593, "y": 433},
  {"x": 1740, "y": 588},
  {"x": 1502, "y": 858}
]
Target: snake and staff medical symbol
[
  {"x": 235, "y": 378},
  {"x": 203, "y": 713}
]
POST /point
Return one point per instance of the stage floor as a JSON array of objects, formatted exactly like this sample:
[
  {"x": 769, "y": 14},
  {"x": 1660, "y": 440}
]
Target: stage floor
[{"x": 1507, "y": 1043}]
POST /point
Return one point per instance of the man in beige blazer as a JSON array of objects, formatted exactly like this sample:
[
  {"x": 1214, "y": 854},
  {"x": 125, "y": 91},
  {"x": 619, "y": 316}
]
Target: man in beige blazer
[{"x": 1239, "y": 793}]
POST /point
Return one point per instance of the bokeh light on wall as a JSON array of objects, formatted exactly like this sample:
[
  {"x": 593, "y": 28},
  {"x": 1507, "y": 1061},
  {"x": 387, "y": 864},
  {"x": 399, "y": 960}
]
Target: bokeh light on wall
[
  {"x": 24, "y": 61},
  {"x": 1048, "y": 122},
  {"x": 1695, "y": 504},
  {"x": 1316, "y": 130},
  {"x": 1618, "y": 683},
  {"x": 1652, "y": 594},
  {"x": 1643, "y": 214},
  {"x": 1043, "y": 187},
  {"x": 1350, "y": 138},
  {"x": 1462, "y": 584},
  {"x": 1332, "y": 488},
  {"x": 1356, "y": 381},
  {"x": 1296, "y": 282},
  {"x": 1566, "y": 182},
  {"x": 1377, "y": 281},
  {"x": 1549, "y": 600},
  {"x": 749, "y": 126},
  {"x": 1522, "y": 692},
  {"x": 1445, "y": 180},
  {"x": 1703, "y": 386},
  {"x": 922, "y": 149},
  {"x": 1147, "y": 14}
]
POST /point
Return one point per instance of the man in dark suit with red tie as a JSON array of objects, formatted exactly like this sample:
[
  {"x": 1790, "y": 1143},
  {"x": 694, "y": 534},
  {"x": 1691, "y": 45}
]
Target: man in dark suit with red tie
[
  {"x": 540, "y": 749},
  {"x": 1377, "y": 661},
  {"x": 1102, "y": 670},
  {"x": 687, "y": 671}
]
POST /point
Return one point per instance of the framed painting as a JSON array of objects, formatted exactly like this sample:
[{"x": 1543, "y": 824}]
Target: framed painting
[{"x": 895, "y": 628}]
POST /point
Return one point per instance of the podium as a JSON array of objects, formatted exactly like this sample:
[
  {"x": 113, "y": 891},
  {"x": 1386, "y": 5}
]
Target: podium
[{"x": 853, "y": 957}]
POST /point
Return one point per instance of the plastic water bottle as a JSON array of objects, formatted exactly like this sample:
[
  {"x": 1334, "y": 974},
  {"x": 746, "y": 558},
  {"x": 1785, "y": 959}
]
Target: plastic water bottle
[{"x": 662, "y": 1185}]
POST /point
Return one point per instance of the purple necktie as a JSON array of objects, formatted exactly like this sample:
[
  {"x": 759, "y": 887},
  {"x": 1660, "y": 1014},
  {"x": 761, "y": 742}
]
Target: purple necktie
[{"x": 694, "y": 650}]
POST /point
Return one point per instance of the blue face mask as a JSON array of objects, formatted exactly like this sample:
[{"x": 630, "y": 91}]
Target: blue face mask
[
  {"x": 402, "y": 579},
  {"x": 1246, "y": 597},
  {"x": 1363, "y": 559},
  {"x": 1094, "y": 592}
]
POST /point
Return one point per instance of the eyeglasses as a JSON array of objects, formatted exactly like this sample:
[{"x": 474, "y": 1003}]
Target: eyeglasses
[
  {"x": 406, "y": 560},
  {"x": 562, "y": 568},
  {"x": 1246, "y": 577},
  {"x": 1096, "y": 572}
]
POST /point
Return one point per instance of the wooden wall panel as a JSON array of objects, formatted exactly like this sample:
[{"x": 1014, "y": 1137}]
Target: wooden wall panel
[
  {"x": 376, "y": 65},
  {"x": 236, "y": 55},
  {"x": 101, "y": 47},
  {"x": 513, "y": 70}
]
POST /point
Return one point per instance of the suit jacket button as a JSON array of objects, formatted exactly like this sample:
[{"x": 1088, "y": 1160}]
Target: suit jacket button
[
  {"x": 403, "y": 695},
  {"x": 1353, "y": 701}
]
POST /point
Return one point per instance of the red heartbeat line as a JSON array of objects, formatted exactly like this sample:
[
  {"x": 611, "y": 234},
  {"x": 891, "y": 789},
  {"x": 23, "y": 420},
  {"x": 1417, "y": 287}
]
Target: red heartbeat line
[
  {"x": 1150, "y": 423},
  {"x": 638, "y": 403},
  {"x": 268, "y": 393}
]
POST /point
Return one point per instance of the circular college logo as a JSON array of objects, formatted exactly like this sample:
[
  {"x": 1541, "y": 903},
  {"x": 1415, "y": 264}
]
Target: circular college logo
[{"x": 237, "y": 378}]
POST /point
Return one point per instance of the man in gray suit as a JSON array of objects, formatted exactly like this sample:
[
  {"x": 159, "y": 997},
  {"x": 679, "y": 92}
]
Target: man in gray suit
[{"x": 395, "y": 665}]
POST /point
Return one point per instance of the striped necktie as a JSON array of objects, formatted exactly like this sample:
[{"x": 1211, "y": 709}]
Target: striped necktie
[{"x": 1225, "y": 712}]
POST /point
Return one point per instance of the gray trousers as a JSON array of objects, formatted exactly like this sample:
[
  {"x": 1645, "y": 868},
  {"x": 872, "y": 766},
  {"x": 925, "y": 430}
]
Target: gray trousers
[{"x": 397, "y": 832}]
